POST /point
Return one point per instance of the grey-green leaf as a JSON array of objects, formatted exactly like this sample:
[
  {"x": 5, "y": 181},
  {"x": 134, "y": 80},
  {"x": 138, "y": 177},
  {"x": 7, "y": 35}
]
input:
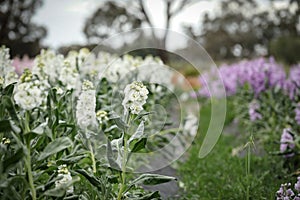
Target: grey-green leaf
[
  {"x": 119, "y": 122},
  {"x": 138, "y": 133},
  {"x": 110, "y": 157},
  {"x": 13, "y": 160},
  {"x": 139, "y": 145},
  {"x": 152, "y": 179},
  {"x": 55, "y": 146}
]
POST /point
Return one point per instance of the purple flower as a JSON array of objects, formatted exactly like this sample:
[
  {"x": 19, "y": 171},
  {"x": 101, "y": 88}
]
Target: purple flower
[
  {"x": 297, "y": 114},
  {"x": 287, "y": 142},
  {"x": 297, "y": 185},
  {"x": 293, "y": 82},
  {"x": 253, "y": 107},
  {"x": 260, "y": 74},
  {"x": 285, "y": 192}
]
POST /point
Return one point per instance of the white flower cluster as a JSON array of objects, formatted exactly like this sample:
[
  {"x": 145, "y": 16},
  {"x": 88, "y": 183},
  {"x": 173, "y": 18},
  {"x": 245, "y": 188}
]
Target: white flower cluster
[
  {"x": 47, "y": 65},
  {"x": 101, "y": 116},
  {"x": 86, "y": 105},
  {"x": 69, "y": 76},
  {"x": 55, "y": 68},
  {"x": 7, "y": 71},
  {"x": 65, "y": 178},
  {"x": 118, "y": 68},
  {"x": 136, "y": 95},
  {"x": 67, "y": 72},
  {"x": 30, "y": 92}
]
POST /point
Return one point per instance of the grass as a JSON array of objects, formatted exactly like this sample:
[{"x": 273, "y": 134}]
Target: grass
[{"x": 221, "y": 175}]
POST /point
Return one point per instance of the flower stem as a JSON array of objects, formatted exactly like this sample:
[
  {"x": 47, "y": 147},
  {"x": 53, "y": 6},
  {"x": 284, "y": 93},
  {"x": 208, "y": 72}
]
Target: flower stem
[
  {"x": 29, "y": 173},
  {"x": 123, "y": 175},
  {"x": 124, "y": 162},
  {"x": 28, "y": 157},
  {"x": 92, "y": 157},
  {"x": 248, "y": 166}
]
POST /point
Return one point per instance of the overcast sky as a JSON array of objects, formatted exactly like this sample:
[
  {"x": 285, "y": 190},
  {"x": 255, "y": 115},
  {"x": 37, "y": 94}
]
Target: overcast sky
[{"x": 64, "y": 19}]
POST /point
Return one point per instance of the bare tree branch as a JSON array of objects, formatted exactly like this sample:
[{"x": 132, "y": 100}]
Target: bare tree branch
[
  {"x": 182, "y": 5},
  {"x": 143, "y": 10}
]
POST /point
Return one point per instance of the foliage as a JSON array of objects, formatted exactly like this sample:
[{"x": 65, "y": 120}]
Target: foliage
[
  {"x": 244, "y": 29},
  {"x": 110, "y": 19},
  {"x": 113, "y": 18},
  {"x": 285, "y": 49},
  {"x": 17, "y": 31}
]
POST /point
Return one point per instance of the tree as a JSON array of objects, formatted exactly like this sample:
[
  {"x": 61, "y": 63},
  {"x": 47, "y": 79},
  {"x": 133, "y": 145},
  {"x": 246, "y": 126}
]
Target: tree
[
  {"x": 241, "y": 29},
  {"x": 16, "y": 29},
  {"x": 110, "y": 19},
  {"x": 113, "y": 17}
]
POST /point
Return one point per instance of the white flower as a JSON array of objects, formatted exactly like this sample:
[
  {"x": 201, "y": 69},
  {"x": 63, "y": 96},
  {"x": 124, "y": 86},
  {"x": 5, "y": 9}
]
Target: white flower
[
  {"x": 136, "y": 95},
  {"x": 101, "y": 116},
  {"x": 7, "y": 71},
  {"x": 156, "y": 73},
  {"x": 1, "y": 80},
  {"x": 191, "y": 125},
  {"x": 86, "y": 62},
  {"x": 65, "y": 178},
  {"x": 30, "y": 93},
  {"x": 47, "y": 65},
  {"x": 10, "y": 77},
  {"x": 5, "y": 140},
  {"x": 86, "y": 105},
  {"x": 69, "y": 76},
  {"x": 5, "y": 62}
]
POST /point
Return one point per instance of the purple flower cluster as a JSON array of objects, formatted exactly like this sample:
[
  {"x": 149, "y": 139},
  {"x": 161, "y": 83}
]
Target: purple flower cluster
[
  {"x": 287, "y": 142},
  {"x": 286, "y": 193},
  {"x": 292, "y": 84},
  {"x": 260, "y": 74},
  {"x": 253, "y": 108},
  {"x": 297, "y": 113}
]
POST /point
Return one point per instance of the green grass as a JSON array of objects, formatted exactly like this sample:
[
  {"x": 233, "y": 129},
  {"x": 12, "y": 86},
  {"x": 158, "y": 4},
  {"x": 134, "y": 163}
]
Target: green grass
[{"x": 223, "y": 176}]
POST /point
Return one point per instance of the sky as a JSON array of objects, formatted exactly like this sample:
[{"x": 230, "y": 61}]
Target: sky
[{"x": 65, "y": 19}]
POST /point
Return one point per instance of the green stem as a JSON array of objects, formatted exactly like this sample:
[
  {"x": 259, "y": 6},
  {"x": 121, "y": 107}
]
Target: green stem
[
  {"x": 27, "y": 118},
  {"x": 123, "y": 174},
  {"x": 29, "y": 173},
  {"x": 124, "y": 162},
  {"x": 28, "y": 157},
  {"x": 92, "y": 157},
  {"x": 248, "y": 165}
]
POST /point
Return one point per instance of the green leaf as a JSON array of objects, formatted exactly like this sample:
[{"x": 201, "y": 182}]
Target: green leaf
[
  {"x": 5, "y": 125},
  {"x": 75, "y": 197},
  {"x": 9, "y": 125},
  {"x": 15, "y": 128},
  {"x": 39, "y": 130},
  {"x": 91, "y": 178},
  {"x": 9, "y": 105},
  {"x": 71, "y": 160},
  {"x": 8, "y": 90},
  {"x": 13, "y": 160},
  {"x": 119, "y": 122},
  {"x": 139, "y": 145},
  {"x": 110, "y": 157},
  {"x": 61, "y": 190},
  {"x": 138, "y": 133},
  {"x": 152, "y": 179},
  {"x": 137, "y": 142},
  {"x": 153, "y": 195},
  {"x": 141, "y": 115},
  {"x": 55, "y": 146}
]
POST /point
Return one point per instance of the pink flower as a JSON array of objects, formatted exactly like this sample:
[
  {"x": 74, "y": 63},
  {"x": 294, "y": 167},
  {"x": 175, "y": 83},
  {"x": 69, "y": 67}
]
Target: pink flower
[{"x": 21, "y": 64}]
